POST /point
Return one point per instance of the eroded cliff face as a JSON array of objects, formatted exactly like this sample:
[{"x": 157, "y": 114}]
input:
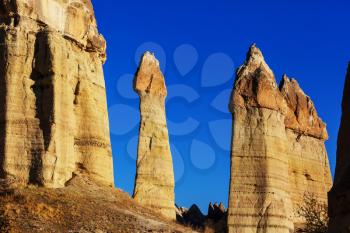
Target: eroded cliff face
[
  {"x": 278, "y": 151},
  {"x": 339, "y": 196},
  {"x": 309, "y": 171},
  {"x": 259, "y": 189},
  {"x": 53, "y": 110},
  {"x": 154, "y": 183}
]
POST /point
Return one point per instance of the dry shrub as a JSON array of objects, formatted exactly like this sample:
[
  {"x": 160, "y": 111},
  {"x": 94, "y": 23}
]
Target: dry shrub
[{"x": 315, "y": 214}]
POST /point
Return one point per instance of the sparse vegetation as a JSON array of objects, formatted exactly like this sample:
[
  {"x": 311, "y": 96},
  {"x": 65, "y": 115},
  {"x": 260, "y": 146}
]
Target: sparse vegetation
[
  {"x": 4, "y": 226},
  {"x": 314, "y": 213}
]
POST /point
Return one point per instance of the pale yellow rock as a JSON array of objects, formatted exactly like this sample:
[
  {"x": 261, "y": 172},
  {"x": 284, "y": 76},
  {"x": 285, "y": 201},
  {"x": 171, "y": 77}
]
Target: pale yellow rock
[
  {"x": 259, "y": 199},
  {"x": 53, "y": 110},
  {"x": 278, "y": 151},
  {"x": 154, "y": 182},
  {"x": 309, "y": 170}
]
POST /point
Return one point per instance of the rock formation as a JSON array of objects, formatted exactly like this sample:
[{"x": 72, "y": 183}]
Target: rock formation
[
  {"x": 216, "y": 211},
  {"x": 53, "y": 111},
  {"x": 194, "y": 217},
  {"x": 309, "y": 171},
  {"x": 214, "y": 222},
  {"x": 259, "y": 189},
  {"x": 278, "y": 151},
  {"x": 339, "y": 196},
  {"x": 154, "y": 182}
]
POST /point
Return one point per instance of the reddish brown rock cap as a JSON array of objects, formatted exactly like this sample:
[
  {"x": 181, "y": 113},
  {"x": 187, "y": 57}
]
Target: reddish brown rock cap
[
  {"x": 255, "y": 84},
  {"x": 149, "y": 78},
  {"x": 301, "y": 114}
]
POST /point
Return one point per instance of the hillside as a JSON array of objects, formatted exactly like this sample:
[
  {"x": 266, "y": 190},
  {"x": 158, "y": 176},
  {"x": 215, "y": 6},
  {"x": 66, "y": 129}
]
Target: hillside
[{"x": 83, "y": 206}]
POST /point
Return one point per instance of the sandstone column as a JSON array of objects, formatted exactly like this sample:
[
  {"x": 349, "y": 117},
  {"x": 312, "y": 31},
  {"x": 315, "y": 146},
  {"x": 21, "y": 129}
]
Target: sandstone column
[
  {"x": 309, "y": 171},
  {"x": 154, "y": 182},
  {"x": 53, "y": 111},
  {"x": 259, "y": 199},
  {"x": 339, "y": 196}
]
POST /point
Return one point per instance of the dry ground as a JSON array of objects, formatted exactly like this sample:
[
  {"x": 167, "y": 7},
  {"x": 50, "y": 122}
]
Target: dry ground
[{"x": 82, "y": 207}]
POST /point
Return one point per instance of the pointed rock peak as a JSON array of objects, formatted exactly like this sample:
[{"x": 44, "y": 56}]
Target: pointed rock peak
[
  {"x": 301, "y": 115},
  {"x": 255, "y": 61},
  {"x": 194, "y": 207},
  {"x": 222, "y": 207},
  {"x": 149, "y": 79},
  {"x": 255, "y": 54},
  {"x": 285, "y": 80},
  {"x": 288, "y": 84},
  {"x": 255, "y": 84},
  {"x": 149, "y": 59}
]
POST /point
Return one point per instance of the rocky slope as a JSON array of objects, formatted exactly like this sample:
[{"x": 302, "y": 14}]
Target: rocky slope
[
  {"x": 51, "y": 84},
  {"x": 339, "y": 196},
  {"x": 278, "y": 152},
  {"x": 154, "y": 182},
  {"x": 84, "y": 206}
]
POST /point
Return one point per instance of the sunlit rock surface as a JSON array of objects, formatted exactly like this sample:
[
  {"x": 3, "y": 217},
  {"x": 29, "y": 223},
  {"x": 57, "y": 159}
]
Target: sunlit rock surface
[
  {"x": 278, "y": 152},
  {"x": 154, "y": 182},
  {"x": 260, "y": 198},
  {"x": 53, "y": 111},
  {"x": 309, "y": 171}
]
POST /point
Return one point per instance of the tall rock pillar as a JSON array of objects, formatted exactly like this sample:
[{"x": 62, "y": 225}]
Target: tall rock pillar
[
  {"x": 154, "y": 182},
  {"x": 309, "y": 171},
  {"x": 259, "y": 199},
  {"x": 339, "y": 196},
  {"x": 53, "y": 110}
]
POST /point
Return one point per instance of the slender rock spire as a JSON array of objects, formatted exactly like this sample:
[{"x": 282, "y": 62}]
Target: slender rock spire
[{"x": 154, "y": 182}]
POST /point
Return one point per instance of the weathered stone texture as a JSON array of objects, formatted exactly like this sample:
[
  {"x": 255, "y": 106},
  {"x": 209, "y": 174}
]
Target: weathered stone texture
[
  {"x": 339, "y": 196},
  {"x": 154, "y": 183},
  {"x": 278, "y": 152},
  {"x": 259, "y": 189},
  {"x": 309, "y": 171},
  {"x": 53, "y": 110}
]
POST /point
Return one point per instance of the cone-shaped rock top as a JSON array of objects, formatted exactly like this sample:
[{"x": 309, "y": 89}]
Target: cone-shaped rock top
[
  {"x": 149, "y": 78},
  {"x": 302, "y": 116},
  {"x": 255, "y": 84}
]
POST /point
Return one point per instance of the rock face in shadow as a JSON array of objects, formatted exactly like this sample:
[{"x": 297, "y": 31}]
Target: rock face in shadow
[
  {"x": 53, "y": 110},
  {"x": 214, "y": 222},
  {"x": 259, "y": 199},
  {"x": 278, "y": 153},
  {"x": 154, "y": 182},
  {"x": 339, "y": 196},
  {"x": 309, "y": 170}
]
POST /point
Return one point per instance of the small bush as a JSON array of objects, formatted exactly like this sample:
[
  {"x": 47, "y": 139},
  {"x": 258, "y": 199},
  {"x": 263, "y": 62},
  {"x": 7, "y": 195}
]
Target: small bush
[{"x": 314, "y": 213}]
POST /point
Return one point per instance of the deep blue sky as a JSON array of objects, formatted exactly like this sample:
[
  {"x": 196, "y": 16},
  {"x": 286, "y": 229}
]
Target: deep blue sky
[{"x": 308, "y": 40}]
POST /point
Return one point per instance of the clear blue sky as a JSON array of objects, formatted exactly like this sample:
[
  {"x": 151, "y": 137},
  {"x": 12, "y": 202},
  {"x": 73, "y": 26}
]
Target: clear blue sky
[{"x": 308, "y": 40}]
